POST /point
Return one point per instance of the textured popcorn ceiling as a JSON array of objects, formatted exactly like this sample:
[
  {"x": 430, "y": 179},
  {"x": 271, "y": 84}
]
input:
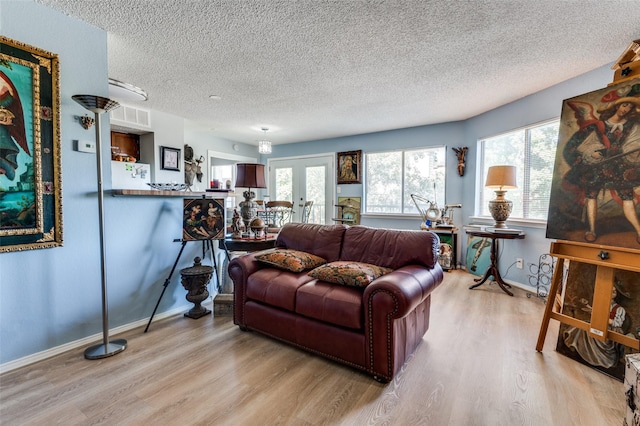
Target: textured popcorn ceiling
[{"x": 314, "y": 69}]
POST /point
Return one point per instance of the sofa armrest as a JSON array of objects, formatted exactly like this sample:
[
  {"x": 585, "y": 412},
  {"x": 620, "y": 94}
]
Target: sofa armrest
[
  {"x": 400, "y": 291},
  {"x": 397, "y": 316},
  {"x": 240, "y": 268}
]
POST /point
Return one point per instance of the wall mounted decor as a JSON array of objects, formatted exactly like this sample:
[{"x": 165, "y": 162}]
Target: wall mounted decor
[
  {"x": 349, "y": 167},
  {"x": 595, "y": 191},
  {"x": 170, "y": 158},
  {"x": 461, "y": 154},
  {"x": 31, "y": 178}
]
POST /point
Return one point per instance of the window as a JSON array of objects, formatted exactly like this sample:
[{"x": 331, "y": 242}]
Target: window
[
  {"x": 392, "y": 176},
  {"x": 532, "y": 150}
]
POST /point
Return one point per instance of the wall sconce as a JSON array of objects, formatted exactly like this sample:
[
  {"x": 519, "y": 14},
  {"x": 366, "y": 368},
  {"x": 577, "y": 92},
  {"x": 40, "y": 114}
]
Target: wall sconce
[
  {"x": 86, "y": 122},
  {"x": 501, "y": 178}
]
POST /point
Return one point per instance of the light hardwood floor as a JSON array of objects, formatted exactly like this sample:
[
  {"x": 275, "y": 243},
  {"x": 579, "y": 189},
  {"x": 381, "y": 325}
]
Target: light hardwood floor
[{"x": 477, "y": 365}]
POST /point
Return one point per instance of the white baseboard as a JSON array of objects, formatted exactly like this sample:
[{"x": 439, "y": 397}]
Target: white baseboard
[{"x": 39, "y": 356}]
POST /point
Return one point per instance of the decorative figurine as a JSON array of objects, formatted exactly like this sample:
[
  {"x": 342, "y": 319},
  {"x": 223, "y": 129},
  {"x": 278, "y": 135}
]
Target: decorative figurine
[
  {"x": 189, "y": 167},
  {"x": 236, "y": 225},
  {"x": 461, "y": 153}
]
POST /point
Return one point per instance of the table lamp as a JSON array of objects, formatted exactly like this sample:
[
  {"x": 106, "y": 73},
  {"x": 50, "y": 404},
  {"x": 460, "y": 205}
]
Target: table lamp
[
  {"x": 249, "y": 176},
  {"x": 501, "y": 178}
]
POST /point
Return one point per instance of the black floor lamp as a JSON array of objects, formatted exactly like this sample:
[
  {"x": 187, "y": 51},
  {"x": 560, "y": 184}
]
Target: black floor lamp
[{"x": 99, "y": 105}]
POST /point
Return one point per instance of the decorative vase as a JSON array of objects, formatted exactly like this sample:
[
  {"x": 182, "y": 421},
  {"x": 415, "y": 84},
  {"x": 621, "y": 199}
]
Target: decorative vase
[
  {"x": 195, "y": 280},
  {"x": 500, "y": 209},
  {"x": 248, "y": 208}
]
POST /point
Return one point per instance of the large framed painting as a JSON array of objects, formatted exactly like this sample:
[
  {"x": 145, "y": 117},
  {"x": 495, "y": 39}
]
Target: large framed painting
[
  {"x": 30, "y": 164},
  {"x": 203, "y": 219},
  {"x": 349, "y": 167},
  {"x": 606, "y": 356},
  {"x": 595, "y": 192}
]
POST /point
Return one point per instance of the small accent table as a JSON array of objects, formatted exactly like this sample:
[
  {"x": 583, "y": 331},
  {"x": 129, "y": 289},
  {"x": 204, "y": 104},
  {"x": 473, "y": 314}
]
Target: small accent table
[
  {"x": 223, "y": 302},
  {"x": 493, "y": 270},
  {"x": 247, "y": 244}
]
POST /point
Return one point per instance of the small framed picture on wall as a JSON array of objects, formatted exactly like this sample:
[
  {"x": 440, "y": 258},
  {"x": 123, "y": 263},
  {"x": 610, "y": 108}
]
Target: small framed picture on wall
[
  {"x": 349, "y": 167},
  {"x": 170, "y": 158}
]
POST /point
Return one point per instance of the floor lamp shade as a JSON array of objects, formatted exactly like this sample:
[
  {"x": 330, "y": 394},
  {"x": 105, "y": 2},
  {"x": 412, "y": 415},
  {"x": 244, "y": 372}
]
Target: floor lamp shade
[
  {"x": 249, "y": 175},
  {"x": 501, "y": 178},
  {"x": 99, "y": 105}
]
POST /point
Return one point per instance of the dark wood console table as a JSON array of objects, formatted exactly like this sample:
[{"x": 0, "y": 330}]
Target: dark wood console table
[{"x": 493, "y": 270}]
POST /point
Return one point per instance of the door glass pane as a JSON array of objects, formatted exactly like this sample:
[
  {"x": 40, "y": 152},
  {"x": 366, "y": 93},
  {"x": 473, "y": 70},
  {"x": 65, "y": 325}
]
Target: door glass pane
[
  {"x": 315, "y": 191},
  {"x": 284, "y": 185}
]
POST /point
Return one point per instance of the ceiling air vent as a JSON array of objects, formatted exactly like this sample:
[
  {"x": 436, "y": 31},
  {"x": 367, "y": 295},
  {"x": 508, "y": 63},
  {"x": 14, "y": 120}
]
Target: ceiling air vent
[{"x": 131, "y": 117}]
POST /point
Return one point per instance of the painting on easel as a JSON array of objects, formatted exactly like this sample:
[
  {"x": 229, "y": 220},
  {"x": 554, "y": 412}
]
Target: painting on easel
[
  {"x": 606, "y": 356},
  {"x": 595, "y": 191},
  {"x": 203, "y": 219}
]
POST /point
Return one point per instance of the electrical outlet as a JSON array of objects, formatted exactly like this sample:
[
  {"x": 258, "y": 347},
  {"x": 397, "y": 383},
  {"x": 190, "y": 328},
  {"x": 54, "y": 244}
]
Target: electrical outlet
[{"x": 519, "y": 263}]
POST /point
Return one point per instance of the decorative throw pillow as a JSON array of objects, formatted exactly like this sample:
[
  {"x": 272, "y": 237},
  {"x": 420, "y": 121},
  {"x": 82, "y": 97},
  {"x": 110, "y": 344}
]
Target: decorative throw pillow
[
  {"x": 290, "y": 260},
  {"x": 354, "y": 274}
]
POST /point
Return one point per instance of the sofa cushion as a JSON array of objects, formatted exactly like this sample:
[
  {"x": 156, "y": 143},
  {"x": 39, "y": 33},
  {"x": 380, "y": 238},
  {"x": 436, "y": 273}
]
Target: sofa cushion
[
  {"x": 356, "y": 274},
  {"x": 390, "y": 248},
  {"x": 334, "y": 304},
  {"x": 322, "y": 240},
  {"x": 290, "y": 260},
  {"x": 275, "y": 287}
]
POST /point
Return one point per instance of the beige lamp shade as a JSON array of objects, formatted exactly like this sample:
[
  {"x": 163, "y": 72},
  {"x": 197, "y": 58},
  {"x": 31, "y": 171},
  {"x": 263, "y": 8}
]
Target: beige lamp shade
[{"x": 501, "y": 177}]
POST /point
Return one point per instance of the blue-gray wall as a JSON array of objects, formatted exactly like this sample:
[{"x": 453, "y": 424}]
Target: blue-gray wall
[
  {"x": 52, "y": 297},
  {"x": 541, "y": 106}
]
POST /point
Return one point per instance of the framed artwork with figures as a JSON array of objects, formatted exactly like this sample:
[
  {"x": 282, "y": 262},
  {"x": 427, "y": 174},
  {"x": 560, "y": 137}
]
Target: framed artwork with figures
[
  {"x": 349, "y": 167},
  {"x": 30, "y": 162},
  {"x": 595, "y": 191},
  {"x": 203, "y": 219},
  {"x": 607, "y": 356}
]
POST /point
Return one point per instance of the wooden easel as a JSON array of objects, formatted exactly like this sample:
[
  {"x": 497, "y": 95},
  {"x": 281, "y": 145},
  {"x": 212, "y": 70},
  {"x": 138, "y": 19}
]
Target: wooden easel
[{"x": 607, "y": 259}]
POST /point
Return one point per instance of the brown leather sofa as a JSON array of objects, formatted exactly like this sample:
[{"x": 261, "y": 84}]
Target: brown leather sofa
[{"x": 375, "y": 328}]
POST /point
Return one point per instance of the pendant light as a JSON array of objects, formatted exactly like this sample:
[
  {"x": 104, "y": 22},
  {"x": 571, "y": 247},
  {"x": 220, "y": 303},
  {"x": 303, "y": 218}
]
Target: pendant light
[{"x": 264, "y": 146}]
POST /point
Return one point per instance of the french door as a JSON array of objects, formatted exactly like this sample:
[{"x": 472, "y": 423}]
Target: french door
[{"x": 304, "y": 179}]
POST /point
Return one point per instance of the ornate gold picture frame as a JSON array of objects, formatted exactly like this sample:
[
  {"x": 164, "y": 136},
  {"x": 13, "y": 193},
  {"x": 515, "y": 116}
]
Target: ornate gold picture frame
[
  {"x": 30, "y": 163},
  {"x": 349, "y": 165}
]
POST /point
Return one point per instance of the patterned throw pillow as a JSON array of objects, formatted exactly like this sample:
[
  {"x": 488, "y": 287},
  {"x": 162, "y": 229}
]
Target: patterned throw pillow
[
  {"x": 290, "y": 260},
  {"x": 354, "y": 274}
]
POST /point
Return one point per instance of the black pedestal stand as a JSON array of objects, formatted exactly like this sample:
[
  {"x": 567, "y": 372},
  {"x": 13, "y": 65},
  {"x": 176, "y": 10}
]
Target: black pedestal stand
[{"x": 206, "y": 245}]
